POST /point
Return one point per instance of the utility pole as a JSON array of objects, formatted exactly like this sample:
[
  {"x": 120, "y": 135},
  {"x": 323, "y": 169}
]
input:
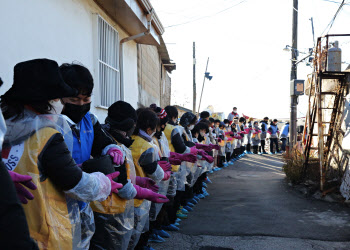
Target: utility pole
[
  {"x": 293, "y": 75},
  {"x": 194, "y": 78},
  {"x": 200, "y": 100}
]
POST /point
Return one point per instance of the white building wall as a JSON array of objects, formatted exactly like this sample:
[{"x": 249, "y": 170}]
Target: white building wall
[{"x": 62, "y": 30}]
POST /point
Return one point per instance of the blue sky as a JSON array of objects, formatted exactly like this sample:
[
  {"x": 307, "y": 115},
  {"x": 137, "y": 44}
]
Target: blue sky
[{"x": 244, "y": 40}]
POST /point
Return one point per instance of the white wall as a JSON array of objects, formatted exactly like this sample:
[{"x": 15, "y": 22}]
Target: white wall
[{"x": 62, "y": 30}]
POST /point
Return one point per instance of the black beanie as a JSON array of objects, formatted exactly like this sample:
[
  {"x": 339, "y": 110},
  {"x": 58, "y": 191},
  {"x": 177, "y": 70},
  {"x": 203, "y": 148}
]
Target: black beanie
[{"x": 121, "y": 115}]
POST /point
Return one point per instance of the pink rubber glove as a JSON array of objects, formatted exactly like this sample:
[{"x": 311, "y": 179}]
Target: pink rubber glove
[
  {"x": 146, "y": 182},
  {"x": 116, "y": 155},
  {"x": 173, "y": 160},
  {"x": 229, "y": 139},
  {"x": 193, "y": 151},
  {"x": 166, "y": 166},
  {"x": 202, "y": 153},
  {"x": 167, "y": 175},
  {"x": 228, "y": 133},
  {"x": 217, "y": 147},
  {"x": 144, "y": 193},
  {"x": 189, "y": 157},
  {"x": 203, "y": 146},
  {"x": 247, "y": 130},
  {"x": 208, "y": 158},
  {"x": 269, "y": 132},
  {"x": 219, "y": 140},
  {"x": 114, "y": 185},
  {"x": 20, "y": 181}
]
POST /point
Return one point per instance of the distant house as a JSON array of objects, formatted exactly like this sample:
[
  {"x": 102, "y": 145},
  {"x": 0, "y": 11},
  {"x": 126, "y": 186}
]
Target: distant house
[{"x": 109, "y": 37}]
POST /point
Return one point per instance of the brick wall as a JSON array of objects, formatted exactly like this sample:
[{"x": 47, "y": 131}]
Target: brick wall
[
  {"x": 153, "y": 81},
  {"x": 165, "y": 89}
]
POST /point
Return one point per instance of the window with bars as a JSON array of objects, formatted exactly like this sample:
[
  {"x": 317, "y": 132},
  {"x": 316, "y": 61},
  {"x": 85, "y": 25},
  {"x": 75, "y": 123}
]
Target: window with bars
[{"x": 108, "y": 63}]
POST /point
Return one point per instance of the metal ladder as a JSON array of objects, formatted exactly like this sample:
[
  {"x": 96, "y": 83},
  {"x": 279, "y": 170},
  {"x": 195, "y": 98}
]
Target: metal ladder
[{"x": 324, "y": 140}]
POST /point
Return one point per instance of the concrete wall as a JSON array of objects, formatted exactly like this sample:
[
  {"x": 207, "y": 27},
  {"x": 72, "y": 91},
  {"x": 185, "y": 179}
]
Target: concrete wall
[{"x": 62, "y": 30}]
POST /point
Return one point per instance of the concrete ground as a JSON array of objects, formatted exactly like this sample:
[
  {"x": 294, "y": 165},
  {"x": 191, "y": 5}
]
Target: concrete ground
[{"x": 251, "y": 207}]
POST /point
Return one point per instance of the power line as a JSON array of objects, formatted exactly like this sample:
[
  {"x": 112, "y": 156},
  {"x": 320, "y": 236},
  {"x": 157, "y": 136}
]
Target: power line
[
  {"x": 191, "y": 21},
  {"x": 334, "y": 17}
]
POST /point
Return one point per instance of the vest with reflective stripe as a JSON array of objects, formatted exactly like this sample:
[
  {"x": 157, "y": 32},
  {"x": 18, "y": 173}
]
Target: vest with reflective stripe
[{"x": 47, "y": 215}]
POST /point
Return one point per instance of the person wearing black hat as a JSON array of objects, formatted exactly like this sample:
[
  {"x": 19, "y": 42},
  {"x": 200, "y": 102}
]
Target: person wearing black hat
[
  {"x": 14, "y": 232},
  {"x": 37, "y": 140},
  {"x": 121, "y": 123}
]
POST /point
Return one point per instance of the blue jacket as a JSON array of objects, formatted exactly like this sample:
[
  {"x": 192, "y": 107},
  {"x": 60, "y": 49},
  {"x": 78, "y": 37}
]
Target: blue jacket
[
  {"x": 273, "y": 129},
  {"x": 285, "y": 131},
  {"x": 83, "y": 140}
]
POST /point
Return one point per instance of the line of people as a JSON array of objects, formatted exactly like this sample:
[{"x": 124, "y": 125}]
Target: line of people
[
  {"x": 87, "y": 185},
  {"x": 118, "y": 185}
]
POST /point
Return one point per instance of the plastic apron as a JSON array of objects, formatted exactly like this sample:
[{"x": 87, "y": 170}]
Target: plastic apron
[
  {"x": 81, "y": 152},
  {"x": 53, "y": 222},
  {"x": 164, "y": 151},
  {"x": 182, "y": 172},
  {"x": 114, "y": 217},
  {"x": 141, "y": 207}
]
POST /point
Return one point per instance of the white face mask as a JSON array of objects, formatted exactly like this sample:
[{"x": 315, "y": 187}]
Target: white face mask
[
  {"x": 191, "y": 127},
  {"x": 57, "y": 107},
  {"x": 202, "y": 134},
  {"x": 226, "y": 125}
]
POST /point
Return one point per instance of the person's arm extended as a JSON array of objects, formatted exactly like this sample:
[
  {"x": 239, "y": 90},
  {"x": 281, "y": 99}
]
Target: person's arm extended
[{"x": 56, "y": 163}]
